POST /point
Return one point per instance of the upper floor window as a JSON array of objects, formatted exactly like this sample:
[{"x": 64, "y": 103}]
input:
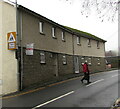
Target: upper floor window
[
  {"x": 98, "y": 44},
  {"x": 89, "y": 42},
  {"x": 53, "y": 32},
  {"x": 63, "y": 36},
  {"x": 41, "y": 27},
  {"x": 78, "y": 40}
]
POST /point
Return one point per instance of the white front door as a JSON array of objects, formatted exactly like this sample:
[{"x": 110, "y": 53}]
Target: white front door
[{"x": 76, "y": 64}]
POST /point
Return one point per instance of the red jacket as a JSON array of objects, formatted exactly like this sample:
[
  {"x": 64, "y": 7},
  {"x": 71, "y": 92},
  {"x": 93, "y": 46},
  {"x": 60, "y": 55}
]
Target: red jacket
[{"x": 85, "y": 68}]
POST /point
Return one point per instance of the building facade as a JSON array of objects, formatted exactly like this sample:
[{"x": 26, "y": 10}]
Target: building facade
[
  {"x": 8, "y": 62},
  {"x": 47, "y": 50},
  {"x": 58, "y": 50}
]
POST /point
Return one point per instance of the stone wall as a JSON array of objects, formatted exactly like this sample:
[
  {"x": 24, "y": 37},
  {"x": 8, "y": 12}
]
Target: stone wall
[{"x": 54, "y": 66}]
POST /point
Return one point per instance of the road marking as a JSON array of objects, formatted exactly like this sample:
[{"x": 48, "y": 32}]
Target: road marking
[
  {"x": 114, "y": 76},
  {"x": 94, "y": 82},
  {"x": 53, "y": 100}
]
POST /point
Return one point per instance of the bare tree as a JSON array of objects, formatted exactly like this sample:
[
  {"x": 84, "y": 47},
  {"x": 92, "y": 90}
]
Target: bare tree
[{"x": 105, "y": 9}]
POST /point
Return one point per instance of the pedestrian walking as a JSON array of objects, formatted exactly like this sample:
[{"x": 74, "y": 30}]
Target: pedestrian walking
[{"x": 86, "y": 73}]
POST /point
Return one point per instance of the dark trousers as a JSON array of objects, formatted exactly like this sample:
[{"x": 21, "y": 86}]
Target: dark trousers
[{"x": 86, "y": 77}]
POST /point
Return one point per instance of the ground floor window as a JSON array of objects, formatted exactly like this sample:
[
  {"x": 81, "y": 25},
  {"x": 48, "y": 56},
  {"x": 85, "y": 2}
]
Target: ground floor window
[
  {"x": 89, "y": 61},
  {"x": 82, "y": 60},
  {"x": 98, "y": 61},
  {"x": 42, "y": 57},
  {"x": 64, "y": 60}
]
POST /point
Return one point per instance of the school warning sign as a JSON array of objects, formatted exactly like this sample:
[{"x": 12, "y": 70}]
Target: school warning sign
[{"x": 11, "y": 39}]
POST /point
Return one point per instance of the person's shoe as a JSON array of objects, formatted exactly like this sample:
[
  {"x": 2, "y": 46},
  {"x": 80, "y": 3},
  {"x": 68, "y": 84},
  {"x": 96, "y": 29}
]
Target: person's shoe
[
  {"x": 88, "y": 82},
  {"x": 82, "y": 81}
]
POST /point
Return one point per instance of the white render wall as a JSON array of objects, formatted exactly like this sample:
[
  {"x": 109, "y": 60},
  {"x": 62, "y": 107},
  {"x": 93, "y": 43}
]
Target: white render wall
[
  {"x": 9, "y": 63},
  {"x": 0, "y": 48}
]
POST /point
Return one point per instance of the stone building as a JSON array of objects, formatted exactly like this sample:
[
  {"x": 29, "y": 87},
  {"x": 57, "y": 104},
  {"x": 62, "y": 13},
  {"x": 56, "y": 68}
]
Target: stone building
[{"x": 46, "y": 50}]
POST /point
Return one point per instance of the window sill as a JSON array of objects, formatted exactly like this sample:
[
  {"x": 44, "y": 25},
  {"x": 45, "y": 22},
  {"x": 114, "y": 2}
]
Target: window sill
[
  {"x": 42, "y": 33},
  {"x": 63, "y": 40},
  {"x": 98, "y": 47},
  {"x": 98, "y": 64},
  {"x": 89, "y": 64},
  {"x": 42, "y": 63},
  {"x": 79, "y": 44},
  {"x": 54, "y": 37},
  {"x": 89, "y": 45}
]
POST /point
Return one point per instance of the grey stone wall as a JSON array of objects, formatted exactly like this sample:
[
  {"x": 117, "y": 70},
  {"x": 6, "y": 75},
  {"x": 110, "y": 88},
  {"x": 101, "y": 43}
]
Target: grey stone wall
[
  {"x": 94, "y": 66},
  {"x": 36, "y": 72},
  {"x": 65, "y": 68}
]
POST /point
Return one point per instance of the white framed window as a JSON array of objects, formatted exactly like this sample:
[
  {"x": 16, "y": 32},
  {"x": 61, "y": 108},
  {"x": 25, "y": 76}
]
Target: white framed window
[
  {"x": 98, "y": 61},
  {"x": 82, "y": 60},
  {"x": 89, "y": 42},
  {"x": 98, "y": 44},
  {"x": 89, "y": 61},
  {"x": 63, "y": 36},
  {"x": 78, "y": 40},
  {"x": 64, "y": 60},
  {"x": 53, "y": 32},
  {"x": 42, "y": 57},
  {"x": 41, "y": 27}
]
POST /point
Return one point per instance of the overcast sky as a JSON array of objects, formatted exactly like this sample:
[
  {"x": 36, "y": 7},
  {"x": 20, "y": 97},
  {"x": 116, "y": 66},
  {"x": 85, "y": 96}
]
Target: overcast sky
[{"x": 69, "y": 14}]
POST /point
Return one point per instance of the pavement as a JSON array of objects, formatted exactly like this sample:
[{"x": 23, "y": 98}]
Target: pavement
[{"x": 38, "y": 86}]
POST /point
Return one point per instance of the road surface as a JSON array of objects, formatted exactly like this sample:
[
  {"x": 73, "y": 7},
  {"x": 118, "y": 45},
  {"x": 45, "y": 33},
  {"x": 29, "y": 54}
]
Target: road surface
[{"x": 102, "y": 92}]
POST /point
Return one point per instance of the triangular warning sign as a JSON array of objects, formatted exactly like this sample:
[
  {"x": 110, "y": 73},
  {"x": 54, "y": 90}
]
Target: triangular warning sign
[{"x": 11, "y": 38}]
